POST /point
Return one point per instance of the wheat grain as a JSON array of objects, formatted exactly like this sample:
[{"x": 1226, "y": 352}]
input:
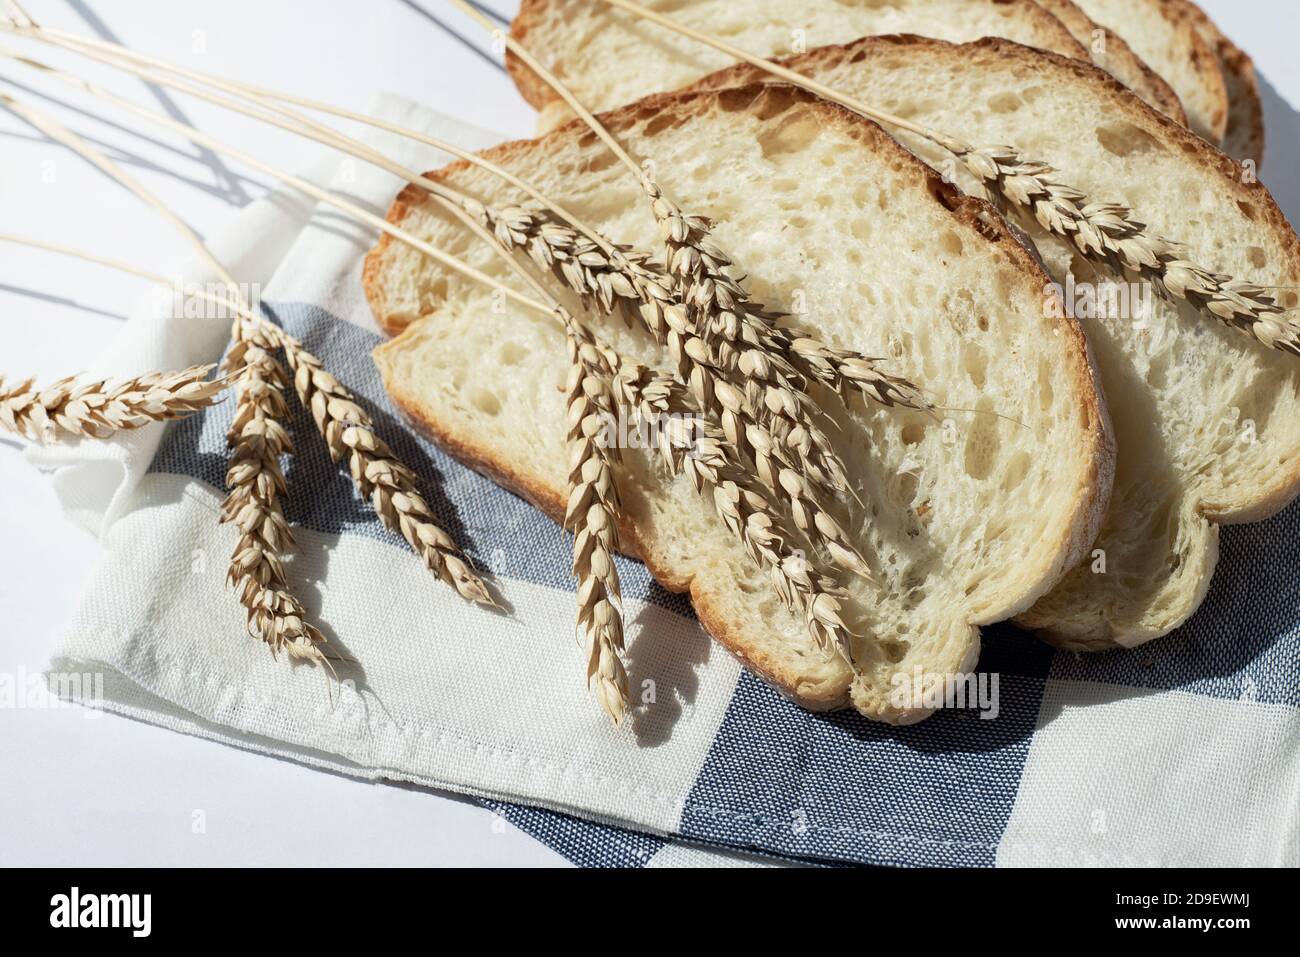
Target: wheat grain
[
  {"x": 99, "y": 408},
  {"x": 1111, "y": 235},
  {"x": 592, "y": 514}
]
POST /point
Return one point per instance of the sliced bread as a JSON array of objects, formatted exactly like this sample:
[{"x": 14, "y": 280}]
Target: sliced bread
[
  {"x": 964, "y": 522},
  {"x": 609, "y": 58},
  {"x": 1109, "y": 51},
  {"x": 1207, "y": 420},
  {"x": 1165, "y": 34}
]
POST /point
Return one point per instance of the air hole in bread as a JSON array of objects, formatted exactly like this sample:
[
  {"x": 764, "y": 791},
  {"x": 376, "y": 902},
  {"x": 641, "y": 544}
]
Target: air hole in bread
[
  {"x": 784, "y": 185},
  {"x": 512, "y": 353},
  {"x": 1015, "y": 471},
  {"x": 1125, "y": 139},
  {"x": 912, "y": 433},
  {"x": 794, "y": 135},
  {"x": 975, "y": 364},
  {"x": 1045, "y": 390},
  {"x": 737, "y": 99},
  {"x": 903, "y": 488},
  {"x": 895, "y": 651},
  {"x": 663, "y": 120},
  {"x": 776, "y": 100},
  {"x": 1247, "y": 210},
  {"x": 1257, "y": 257},
  {"x": 434, "y": 292},
  {"x": 599, "y": 162},
  {"x": 1006, "y": 102},
  {"x": 486, "y": 402},
  {"x": 945, "y": 194},
  {"x": 950, "y": 243}
]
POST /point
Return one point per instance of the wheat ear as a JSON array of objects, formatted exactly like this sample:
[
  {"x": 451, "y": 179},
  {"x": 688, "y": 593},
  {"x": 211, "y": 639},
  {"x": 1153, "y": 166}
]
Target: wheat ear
[
  {"x": 592, "y": 515},
  {"x": 1110, "y": 234},
  {"x": 391, "y": 487},
  {"x": 688, "y": 442},
  {"x": 256, "y": 485},
  {"x": 1107, "y": 233},
  {"x": 100, "y": 408}
]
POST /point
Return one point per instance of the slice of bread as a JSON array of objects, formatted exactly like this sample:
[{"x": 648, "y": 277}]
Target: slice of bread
[
  {"x": 1108, "y": 50},
  {"x": 964, "y": 522},
  {"x": 1164, "y": 33},
  {"x": 1207, "y": 420},
  {"x": 608, "y": 57},
  {"x": 1244, "y": 138}
]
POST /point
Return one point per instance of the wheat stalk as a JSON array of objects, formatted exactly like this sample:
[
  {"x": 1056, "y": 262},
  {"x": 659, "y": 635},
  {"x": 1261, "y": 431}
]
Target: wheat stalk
[
  {"x": 1106, "y": 233},
  {"x": 780, "y": 444},
  {"x": 100, "y": 408},
  {"x": 391, "y": 487},
  {"x": 559, "y": 241},
  {"x": 592, "y": 514}
]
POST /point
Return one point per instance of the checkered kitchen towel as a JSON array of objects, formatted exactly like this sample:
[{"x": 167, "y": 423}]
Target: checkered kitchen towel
[{"x": 1184, "y": 752}]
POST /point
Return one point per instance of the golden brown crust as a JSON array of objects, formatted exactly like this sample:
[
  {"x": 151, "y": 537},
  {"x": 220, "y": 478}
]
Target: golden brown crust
[
  {"x": 531, "y": 87},
  {"x": 1244, "y": 137},
  {"x": 1204, "y": 61}
]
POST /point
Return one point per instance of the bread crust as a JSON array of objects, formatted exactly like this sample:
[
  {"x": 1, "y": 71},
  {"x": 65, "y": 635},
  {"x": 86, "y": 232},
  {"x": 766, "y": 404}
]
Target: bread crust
[
  {"x": 1244, "y": 136},
  {"x": 1275, "y": 490},
  {"x": 1093, "y": 485}
]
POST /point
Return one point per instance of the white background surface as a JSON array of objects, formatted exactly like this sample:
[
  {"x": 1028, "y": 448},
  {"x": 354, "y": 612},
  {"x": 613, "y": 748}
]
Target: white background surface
[{"x": 105, "y": 790}]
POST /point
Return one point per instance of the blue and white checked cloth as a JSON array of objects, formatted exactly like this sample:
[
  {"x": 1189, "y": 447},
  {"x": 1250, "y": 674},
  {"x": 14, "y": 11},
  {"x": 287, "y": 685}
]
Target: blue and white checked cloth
[{"x": 1183, "y": 752}]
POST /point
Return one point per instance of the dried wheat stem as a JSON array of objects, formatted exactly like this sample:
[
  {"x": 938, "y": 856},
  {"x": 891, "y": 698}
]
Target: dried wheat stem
[
  {"x": 99, "y": 408},
  {"x": 123, "y": 58},
  {"x": 690, "y": 443},
  {"x": 592, "y": 514},
  {"x": 257, "y": 436},
  {"x": 1111, "y": 235},
  {"x": 391, "y": 487}
]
